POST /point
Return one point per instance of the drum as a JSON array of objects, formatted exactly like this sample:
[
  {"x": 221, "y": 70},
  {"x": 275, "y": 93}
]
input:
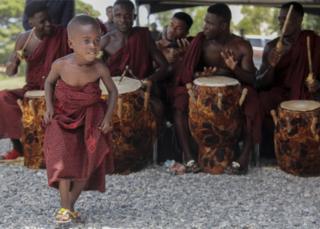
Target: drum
[
  {"x": 215, "y": 120},
  {"x": 134, "y": 126},
  {"x": 296, "y": 137},
  {"x": 33, "y": 109}
]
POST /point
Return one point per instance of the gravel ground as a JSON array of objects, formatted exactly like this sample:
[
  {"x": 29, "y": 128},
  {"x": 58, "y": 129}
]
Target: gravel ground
[{"x": 152, "y": 198}]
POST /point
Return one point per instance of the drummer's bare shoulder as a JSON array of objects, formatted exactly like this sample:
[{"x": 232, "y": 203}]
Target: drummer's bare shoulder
[
  {"x": 21, "y": 39},
  {"x": 241, "y": 45}
]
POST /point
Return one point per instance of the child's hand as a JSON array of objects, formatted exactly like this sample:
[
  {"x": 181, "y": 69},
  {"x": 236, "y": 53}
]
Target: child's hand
[
  {"x": 105, "y": 126},
  {"x": 48, "y": 116}
]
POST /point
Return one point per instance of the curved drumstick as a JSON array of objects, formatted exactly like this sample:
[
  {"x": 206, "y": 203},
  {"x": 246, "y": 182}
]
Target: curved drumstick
[
  {"x": 279, "y": 45},
  {"x": 19, "y": 102},
  {"x": 20, "y": 52},
  {"x": 123, "y": 74}
]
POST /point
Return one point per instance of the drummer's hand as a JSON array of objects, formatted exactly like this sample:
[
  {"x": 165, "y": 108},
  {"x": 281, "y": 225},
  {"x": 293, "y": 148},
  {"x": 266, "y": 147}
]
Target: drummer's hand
[
  {"x": 183, "y": 44},
  {"x": 105, "y": 126},
  {"x": 313, "y": 87},
  {"x": 229, "y": 59},
  {"x": 274, "y": 56},
  {"x": 147, "y": 84},
  {"x": 206, "y": 72},
  {"x": 48, "y": 116}
]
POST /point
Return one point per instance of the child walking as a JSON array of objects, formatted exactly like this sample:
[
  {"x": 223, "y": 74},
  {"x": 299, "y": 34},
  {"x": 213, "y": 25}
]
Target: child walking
[{"x": 77, "y": 139}]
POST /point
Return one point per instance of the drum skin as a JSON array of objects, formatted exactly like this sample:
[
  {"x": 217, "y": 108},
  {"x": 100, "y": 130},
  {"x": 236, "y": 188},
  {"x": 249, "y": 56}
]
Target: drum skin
[
  {"x": 215, "y": 129},
  {"x": 33, "y": 132},
  {"x": 297, "y": 148}
]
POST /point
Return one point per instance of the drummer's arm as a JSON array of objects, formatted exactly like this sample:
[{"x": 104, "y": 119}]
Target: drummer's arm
[
  {"x": 245, "y": 70},
  {"x": 13, "y": 60},
  {"x": 265, "y": 75},
  {"x": 163, "y": 66}
]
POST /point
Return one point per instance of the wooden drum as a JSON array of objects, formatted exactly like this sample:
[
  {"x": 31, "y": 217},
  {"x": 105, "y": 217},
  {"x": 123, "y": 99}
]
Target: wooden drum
[
  {"x": 215, "y": 120},
  {"x": 296, "y": 137},
  {"x": 134, "y": 126},
  {"x": 33, "y": 109}
]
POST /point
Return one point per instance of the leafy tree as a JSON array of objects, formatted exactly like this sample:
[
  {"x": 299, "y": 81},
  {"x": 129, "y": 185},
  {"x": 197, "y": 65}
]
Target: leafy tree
[
  {"x": 84, "y": 8},
  {"x": 311, "y": 22},
  {"x": 258, "y": 20}
]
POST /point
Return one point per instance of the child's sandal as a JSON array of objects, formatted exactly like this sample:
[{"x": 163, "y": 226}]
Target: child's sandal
[{"x": 64, "y": 216}]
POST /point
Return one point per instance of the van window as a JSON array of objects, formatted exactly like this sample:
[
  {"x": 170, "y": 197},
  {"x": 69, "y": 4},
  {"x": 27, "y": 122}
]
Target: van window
[{"x": 255, "y": 42}]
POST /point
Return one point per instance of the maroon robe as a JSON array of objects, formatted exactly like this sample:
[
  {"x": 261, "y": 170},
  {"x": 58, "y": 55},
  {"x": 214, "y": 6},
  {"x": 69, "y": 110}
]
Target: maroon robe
[
  {"x": 185, "y": 75},
  {"x": 38, "y": 67},
  {"x": 135, "y": 53},
  {"x": 74, "y": 147},
  {"x": 291, "y": 72}
]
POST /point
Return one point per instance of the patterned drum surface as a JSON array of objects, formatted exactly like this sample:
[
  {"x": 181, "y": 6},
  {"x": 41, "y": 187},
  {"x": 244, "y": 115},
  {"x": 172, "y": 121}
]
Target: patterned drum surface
[
  {"x": 33, "y": 109},
  {"x": 296, "y": 137},
  {"x": 215, "y": 120},
  {"x": 134, "y": 128}
]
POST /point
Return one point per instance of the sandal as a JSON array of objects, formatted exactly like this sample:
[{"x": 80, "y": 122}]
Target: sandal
[
  {"x": 236, "y": 169},
  {"x": 192, "y": 167},
  {"x": 65, "y": 215},
  {"x": 177, "y": 169}
]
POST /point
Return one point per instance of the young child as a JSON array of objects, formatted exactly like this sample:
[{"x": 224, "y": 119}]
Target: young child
[{"x": 76, "y": 147}]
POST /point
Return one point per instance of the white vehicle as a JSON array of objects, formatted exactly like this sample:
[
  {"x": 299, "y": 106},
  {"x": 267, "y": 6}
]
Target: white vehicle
[{"x": 258, "y": 43}]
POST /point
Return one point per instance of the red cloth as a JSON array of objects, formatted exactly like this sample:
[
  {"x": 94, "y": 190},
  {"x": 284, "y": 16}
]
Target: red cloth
[
  {"x": 74, "y": 147},
  {"x": 180, "y": 95},
  {"x": 135, "y": 53},
  {"x": 38, "y": 65},
  {"x": 291, "y": 72}
]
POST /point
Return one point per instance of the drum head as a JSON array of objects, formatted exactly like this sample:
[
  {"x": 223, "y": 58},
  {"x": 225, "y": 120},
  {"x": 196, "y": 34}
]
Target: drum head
[
  {"x": 125, "y": 86},
  {"x": 216, "y": 81},
  {"x": 34, "y": 94},
  {"x": 300, "y": 105}
]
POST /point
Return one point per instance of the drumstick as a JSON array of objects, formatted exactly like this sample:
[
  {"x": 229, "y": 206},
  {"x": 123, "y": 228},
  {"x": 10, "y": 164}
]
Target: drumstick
[
  {"x": 123, "y": 74},
  {"x": 310, "y": 77},
  {"x": 284, "y": 28},
  {"x": 20, "y": 52}
]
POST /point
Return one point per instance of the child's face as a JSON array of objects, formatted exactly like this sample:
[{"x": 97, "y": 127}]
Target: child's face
[{"x": 85, "y": 42}]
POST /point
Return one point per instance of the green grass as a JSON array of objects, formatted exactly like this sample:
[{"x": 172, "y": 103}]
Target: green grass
[{"x": 11, "y": 82}]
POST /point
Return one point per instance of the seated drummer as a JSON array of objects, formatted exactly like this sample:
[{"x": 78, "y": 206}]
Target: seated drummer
[
  {"x": 40, "y": 48},
  {"x": 133, "y": 47},
  {"x": 218, "y": 52},
  {"x": 282, "y": 75}
]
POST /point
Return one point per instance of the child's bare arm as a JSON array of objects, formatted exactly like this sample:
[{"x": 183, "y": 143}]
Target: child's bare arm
[
  {"x": 13, "y": 60},
  {"x": 112, "y": 96},
  {"x": 49, "y": 88}
]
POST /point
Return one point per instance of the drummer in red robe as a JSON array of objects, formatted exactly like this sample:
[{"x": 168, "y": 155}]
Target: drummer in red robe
[
  {"x": 41, "y": 47},
  {"x": 219, "y": 52},
  {"x": 77, "y": 139},
  {"x": 133, "y": 47},
  {"x": 283, "y": 72}
]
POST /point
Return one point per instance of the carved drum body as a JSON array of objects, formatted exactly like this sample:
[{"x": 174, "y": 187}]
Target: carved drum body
[{"x": 296, "y": 137}]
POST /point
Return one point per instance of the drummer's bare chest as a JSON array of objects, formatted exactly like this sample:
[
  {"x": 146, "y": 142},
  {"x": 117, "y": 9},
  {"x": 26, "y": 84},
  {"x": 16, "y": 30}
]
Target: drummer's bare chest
[
  {"x": 31, "y": 47},
  {"x": 211, "y": 53}
]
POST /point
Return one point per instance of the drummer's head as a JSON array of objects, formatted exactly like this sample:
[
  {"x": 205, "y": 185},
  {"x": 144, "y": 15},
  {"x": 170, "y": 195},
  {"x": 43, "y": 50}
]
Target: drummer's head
[
  {"x": 37, "y": 14},
  {"x": 179, "y": 26},
  {"x": 294, "y": 24},
  {"x": 123, "y": 15},
  {"x": 217, "y": 21},
  {"x": 84, "y": 36}
]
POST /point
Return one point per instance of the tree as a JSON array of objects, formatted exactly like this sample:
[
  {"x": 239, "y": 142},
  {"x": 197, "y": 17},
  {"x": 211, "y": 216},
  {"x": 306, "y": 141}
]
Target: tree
[
  {"x": 311, "y": 22},
  {"x": 258, "y": 20},
  {"x": 84, "y": 8}
]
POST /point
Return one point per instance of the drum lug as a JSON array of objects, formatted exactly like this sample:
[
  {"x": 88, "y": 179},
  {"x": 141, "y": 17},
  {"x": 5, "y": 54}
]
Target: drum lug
[
  {"x": 289, "y": 126},
  {"x": 243, "y": 96},
  {"x": 119, "y": 110},
  {"x": 219, "y": 103},
  {"x": 274, "y": 117},
  {"x": 32, "y": 107},
  {"x": 314, "y": 128},
  {"x": 190, "y": 92},
  {"x": 147, "y": 95}
]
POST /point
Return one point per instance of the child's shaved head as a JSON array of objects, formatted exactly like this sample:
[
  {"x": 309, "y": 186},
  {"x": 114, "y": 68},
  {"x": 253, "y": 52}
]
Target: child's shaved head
[{"x": 81, "y": 20}]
